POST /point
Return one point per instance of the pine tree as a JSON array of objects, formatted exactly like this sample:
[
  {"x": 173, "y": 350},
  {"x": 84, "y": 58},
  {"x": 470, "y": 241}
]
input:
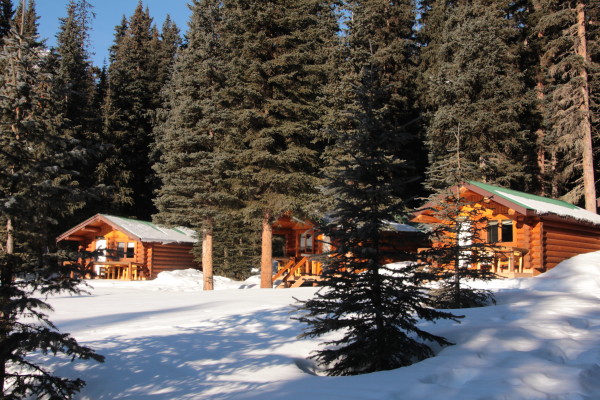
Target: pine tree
[
  {"x": 133, "y": 95},
  {"x": 75, "y": 80},
  {"x": 458, "y": 246},
  {"x": 559, "y": 39},
  {"x": 6, "y": 16},
  {"x": 37, "y": 188},
  {"x": 195, "y": 150},
  {"x": 28, "y": 19},
  {"x": 473, "y": 87},
  {"x": 276, "y": 72},
  {"x": 374, "y": 307}
]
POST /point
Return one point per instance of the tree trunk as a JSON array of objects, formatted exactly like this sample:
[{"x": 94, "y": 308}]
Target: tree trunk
[
  {"x": 266, "y": 257},
  {"x": 6, "y": 279},
  {"x": 207, "y": 255},
  {"x": 589, "y": 183}
]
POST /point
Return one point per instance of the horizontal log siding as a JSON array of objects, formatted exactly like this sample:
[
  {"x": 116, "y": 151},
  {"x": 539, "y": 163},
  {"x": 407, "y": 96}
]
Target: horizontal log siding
[
  {"x": 170, "y": 257},
  {"x": 562, "y": 242}
]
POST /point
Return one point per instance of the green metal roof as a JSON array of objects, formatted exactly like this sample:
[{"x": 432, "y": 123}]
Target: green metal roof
[{"x": 500, "y": 191}]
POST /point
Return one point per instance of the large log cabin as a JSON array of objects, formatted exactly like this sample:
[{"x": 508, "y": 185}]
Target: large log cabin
[
  {"x": 530, "y": 234},
  {"x": 131, "y": 249}
]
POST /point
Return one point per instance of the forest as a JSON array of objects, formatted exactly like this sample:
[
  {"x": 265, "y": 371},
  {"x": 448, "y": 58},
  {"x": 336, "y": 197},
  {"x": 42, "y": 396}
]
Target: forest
[{"x": 249, "y": 113}]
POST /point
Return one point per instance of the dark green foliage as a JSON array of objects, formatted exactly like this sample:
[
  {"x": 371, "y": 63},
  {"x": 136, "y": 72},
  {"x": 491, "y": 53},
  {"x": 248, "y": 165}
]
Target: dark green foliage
[
  {"x": 458, "y": 247},
  {"x": 196, "y": 151},
  {"x": 135, "y": 78},
  {"x": 473, "y": 88},
  {"x": 29, "y": 20},
  {"x": 36, "y": 189},
  {"x": 77, "y": 101},
  {"x": 373, "y": 307},
  {"x": 553, "y": 40},
  {"x": 6, "y": 16},
  {"x": 276, "y": 71}
]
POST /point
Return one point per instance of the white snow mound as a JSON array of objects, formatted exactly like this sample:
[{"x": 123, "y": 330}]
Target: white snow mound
[{"x": 580, "y": 274}]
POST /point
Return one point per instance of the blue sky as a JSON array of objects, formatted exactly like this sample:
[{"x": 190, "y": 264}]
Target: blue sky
[{"x": 108, "y": 15}]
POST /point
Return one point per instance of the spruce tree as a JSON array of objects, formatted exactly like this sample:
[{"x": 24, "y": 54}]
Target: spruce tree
[
  {"x": 195, "y": 149},
  {"x": 558, "y": 38},
  {"x": 26, "y": 15},
  {"x": 458, "y": 246},
  {"x": 133, "y": 95},
  {"x": 374, "y": 307},
  {"x": 76, "y": 86},
  {"x": 6, "y": 16},
  {"x": 473, "y": 88},
  {"x": 276, "y": 72},
  {"x": 37, "y": 188}
]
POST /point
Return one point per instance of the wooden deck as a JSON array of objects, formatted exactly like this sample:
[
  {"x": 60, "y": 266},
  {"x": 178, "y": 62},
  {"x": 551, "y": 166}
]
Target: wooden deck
[{"x": 296, "y": 272}]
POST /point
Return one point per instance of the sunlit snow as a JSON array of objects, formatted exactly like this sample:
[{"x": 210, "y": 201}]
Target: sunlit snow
[{"x": 167, "y": 339}]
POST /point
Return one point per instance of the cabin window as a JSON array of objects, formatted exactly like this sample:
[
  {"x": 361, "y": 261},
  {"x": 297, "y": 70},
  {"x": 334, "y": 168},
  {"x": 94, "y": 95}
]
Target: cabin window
[
  {"x": 130, "y": 250},
  {"x": 306, "y": 243},
  {"x": 500, "y": 231},
  {"x": 507, "y": 231},
  {"x": 492, "y": 232},
  {"x": 120, "y": 250}
]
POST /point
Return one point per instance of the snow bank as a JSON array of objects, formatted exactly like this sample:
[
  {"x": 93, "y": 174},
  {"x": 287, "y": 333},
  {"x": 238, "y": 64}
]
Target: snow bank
[
  {"x": 191, "y": 280},
  {"x": 580, "y": 274}
]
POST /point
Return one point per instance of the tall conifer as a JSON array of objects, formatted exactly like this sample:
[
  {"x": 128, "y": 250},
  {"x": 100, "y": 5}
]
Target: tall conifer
[
  {"x": 559, "y": 39},
  {"x": 474, "y": 90},
  {"x": 195, "y": 150},
  {"x": 276, "y": 72},
  {"x": 373, "y": 306},
  {"x": 36, "y": 189},
  {"x": 133, "y": 95}
]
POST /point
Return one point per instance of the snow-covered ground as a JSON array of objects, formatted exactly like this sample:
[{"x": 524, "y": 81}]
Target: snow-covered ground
[{"x": 167, "y": 340}]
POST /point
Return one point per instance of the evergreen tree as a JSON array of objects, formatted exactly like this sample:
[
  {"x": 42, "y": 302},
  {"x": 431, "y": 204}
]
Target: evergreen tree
[
  {"x": 28, "y": 18},
  {"x": 195, "y": 150},
  {"x": 375, "y": 307},
  {"x": 75, "y": 79},
  {"x": 558, "y": 37},
  {"x": 36, "y": 189},
  {"x": 6, "y": 17},
  {"x": 133, "y": 95},
  {"x": 276, "y": 72},
  {"x": 458, "y": 245},
  {"x": 474, "y": 89}
]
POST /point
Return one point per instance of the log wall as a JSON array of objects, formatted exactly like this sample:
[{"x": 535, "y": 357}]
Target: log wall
[
  {"x": 169, "y": 257},
  {"x": 563, "y": 241}
]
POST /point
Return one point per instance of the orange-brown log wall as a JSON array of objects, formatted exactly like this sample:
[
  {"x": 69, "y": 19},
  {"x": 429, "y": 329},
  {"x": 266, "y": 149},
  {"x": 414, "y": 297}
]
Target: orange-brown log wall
[
  {"x": 169, "y": 257},
  {"x": 562, "y": 242}
]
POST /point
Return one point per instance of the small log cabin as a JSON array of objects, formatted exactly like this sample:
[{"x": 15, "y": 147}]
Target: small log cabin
[
  {"x": 132, "y": 249},
  {"x": 531, "y": 234},
  {"x": 297, "y": 247}
]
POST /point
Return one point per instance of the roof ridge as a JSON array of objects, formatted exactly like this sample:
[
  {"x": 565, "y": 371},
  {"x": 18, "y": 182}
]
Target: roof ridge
[{"x": 549, "y": 200}]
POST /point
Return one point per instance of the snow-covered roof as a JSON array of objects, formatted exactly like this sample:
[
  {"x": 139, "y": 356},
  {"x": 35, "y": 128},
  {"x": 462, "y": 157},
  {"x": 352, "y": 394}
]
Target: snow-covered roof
[
  {"x": 148, "y": 232},
  {"x": 539, "y": 205},
  {"x": 398, "y": 227}
]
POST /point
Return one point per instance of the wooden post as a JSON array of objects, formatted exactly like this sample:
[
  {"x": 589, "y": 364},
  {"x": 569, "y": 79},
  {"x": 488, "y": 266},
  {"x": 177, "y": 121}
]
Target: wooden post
[
  {"x": 266, "y": 257},
  {"x": 207, "y": 255}
]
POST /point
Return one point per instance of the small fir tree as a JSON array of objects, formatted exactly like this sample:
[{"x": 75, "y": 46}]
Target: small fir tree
[
  {"x": 458, "y": 247},
  {"x": 37, "y": 188},
  {"x": 375, "y": 308}
]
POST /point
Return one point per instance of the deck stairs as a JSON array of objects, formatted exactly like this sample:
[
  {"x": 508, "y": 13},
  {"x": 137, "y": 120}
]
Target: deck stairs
[{"x": 299, "y": 272}]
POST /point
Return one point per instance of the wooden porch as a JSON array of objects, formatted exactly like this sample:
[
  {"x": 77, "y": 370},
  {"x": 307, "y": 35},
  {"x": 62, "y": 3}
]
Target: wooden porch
[{"x": 298, "y": 271}]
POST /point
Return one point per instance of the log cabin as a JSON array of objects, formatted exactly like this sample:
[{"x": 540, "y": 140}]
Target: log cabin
[
  {"x": 132, "y": 249},
  {"x": 530, "y": 234},
  {"x": 298, "y": 249}
]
